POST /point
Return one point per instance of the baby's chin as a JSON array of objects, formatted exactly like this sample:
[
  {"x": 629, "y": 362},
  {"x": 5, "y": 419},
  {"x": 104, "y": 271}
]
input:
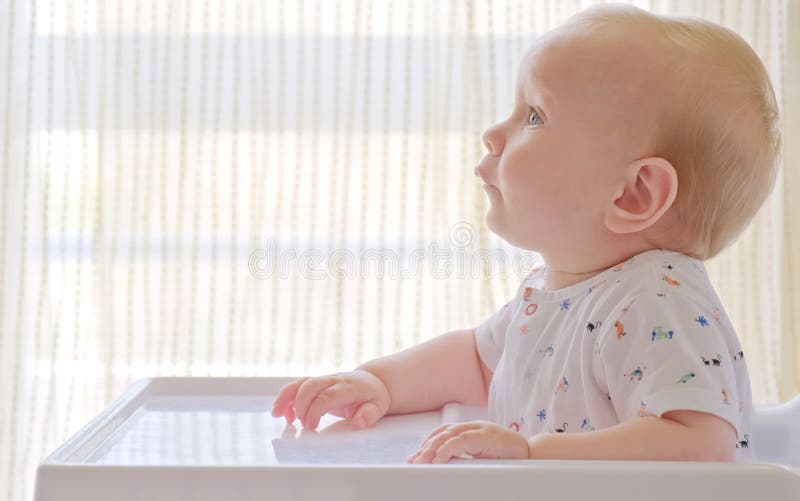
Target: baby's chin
[
  {"x": 492, "y": 217},
  {"x": 497, "y": 226},
  {"x": 509, "y": 232},
  {"x": 497, "y": 216}
]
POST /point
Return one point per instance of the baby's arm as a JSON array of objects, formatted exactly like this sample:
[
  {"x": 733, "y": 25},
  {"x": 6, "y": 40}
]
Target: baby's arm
[
  {"x": 421, "y": 378},
  {"x": 681, "y": 435},
  {"x": 676, "y": 436},
  {"x": 444, "y": 369}
]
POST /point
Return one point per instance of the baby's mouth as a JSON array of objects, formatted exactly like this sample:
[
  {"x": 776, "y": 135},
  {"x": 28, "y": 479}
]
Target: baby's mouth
[{"x": 479, "y": 173}]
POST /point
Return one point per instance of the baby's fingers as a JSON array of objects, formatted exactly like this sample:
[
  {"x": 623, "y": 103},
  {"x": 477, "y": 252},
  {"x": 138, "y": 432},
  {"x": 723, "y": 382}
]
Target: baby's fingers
[
  {"x": 368, "y": 414},
  {"x": 468, "y": 442},
  {"x": 307, "y": 394},
  {"x": 333, "y": 398},
  {"x": 438, "y": 437},
  {"x": 286, "y": 396},
  {"x": 340, "y": 399}
]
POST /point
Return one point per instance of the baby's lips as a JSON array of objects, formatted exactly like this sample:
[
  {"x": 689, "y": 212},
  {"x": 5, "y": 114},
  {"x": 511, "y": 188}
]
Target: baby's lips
[{"x": 480, "y": 171}]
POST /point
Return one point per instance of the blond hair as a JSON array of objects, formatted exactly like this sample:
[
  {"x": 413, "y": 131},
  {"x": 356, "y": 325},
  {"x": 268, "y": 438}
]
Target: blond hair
[{"x": 721, "y": 133}]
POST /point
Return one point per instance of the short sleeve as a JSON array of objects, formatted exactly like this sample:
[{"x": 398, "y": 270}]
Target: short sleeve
[
  {"x": 669, "y": 353},
  {"x": 490, "y": 336}
]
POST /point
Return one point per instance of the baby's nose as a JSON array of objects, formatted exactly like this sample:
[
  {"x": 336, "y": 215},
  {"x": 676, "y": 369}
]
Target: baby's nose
[
  {"x": 488, "y": 144},
  {"x": 492, "y": 142}
]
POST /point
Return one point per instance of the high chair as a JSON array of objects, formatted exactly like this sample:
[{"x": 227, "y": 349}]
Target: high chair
[{"x": 214, "y": 438}]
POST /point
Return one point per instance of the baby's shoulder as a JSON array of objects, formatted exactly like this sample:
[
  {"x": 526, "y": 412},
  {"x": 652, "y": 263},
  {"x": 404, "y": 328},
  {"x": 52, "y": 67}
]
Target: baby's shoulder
[
  {"x": 660, "y": 280},
  {"x": 664, "y": 270},
  {"x": 672, "y": 291}
]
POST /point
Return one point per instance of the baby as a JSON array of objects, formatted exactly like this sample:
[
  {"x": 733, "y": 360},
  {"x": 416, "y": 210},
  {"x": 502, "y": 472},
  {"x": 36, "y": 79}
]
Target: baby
[{"x": 638, "y": 147}]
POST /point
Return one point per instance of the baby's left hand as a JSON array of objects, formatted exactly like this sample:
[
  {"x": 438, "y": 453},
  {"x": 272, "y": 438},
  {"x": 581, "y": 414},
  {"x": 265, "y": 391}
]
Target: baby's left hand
[{"x": 480, "y": 439}]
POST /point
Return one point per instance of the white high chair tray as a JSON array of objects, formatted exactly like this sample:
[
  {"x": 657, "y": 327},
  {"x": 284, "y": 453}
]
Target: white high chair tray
[{"x": 214, "y": 438}]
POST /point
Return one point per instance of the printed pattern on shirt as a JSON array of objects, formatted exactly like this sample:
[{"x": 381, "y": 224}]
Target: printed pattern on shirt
[{"x": 641, "y": 338}]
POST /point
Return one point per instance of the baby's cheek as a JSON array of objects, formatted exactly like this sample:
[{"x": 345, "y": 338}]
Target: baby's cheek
[{"x": 533, "y": 194}]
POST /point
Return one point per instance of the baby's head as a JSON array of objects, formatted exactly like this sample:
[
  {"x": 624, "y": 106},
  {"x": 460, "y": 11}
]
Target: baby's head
[{"x": 633, "y": 131}]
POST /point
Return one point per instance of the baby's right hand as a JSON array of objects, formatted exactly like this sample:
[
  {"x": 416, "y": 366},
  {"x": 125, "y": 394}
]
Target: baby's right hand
[{"x": 358, "y": 396}]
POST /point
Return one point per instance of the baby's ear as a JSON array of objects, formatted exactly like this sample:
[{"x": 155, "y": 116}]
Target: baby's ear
[{"x": 646, "y": 191}]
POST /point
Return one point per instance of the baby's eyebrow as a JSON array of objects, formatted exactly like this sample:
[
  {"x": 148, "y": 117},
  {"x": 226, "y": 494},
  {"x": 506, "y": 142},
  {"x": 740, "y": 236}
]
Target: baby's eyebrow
[
  {"x": 537, "y": 98},
  {"x": 533, "y": 91}
]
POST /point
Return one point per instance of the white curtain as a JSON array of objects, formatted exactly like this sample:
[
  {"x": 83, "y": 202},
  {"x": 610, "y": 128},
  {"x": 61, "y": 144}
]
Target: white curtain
[{"x": 286, "y": 187}]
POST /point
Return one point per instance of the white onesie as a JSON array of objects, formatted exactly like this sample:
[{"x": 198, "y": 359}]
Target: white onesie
[{"x": 642, "y": 338}]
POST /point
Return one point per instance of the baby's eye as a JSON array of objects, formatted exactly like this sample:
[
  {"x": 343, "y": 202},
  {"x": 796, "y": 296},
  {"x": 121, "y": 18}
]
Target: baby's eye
[{"x": 533, "y": 115}]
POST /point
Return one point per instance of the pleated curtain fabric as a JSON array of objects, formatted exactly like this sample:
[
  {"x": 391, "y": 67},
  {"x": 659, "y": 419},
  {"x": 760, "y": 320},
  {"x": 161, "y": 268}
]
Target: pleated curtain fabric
[{"x": 264, "y": 188}]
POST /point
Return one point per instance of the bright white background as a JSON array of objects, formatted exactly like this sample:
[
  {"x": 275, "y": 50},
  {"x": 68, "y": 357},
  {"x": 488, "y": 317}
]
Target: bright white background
[{"x": 154, "y": 152}]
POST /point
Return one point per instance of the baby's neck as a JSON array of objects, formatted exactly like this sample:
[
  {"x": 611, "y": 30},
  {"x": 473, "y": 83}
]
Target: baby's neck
[
  {"x": 553, "y": 280},
  {"x": 559, "y": 274}
]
